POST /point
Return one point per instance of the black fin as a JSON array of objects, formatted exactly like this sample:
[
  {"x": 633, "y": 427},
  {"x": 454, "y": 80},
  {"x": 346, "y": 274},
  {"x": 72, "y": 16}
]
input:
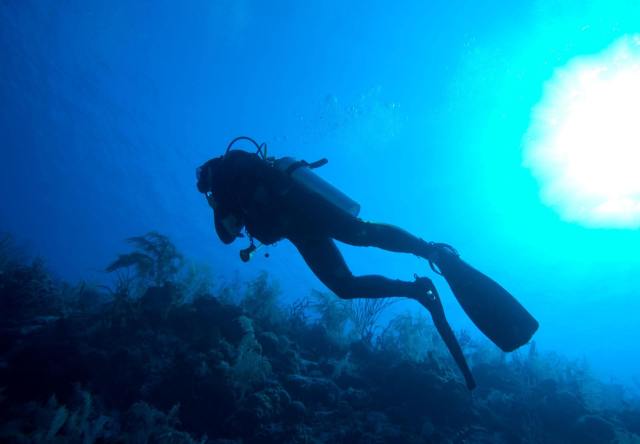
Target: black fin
[{"x": 491, "y": 308}]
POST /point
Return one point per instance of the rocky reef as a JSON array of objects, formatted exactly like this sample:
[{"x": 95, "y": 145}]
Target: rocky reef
[{"x": 165, "y": 355}]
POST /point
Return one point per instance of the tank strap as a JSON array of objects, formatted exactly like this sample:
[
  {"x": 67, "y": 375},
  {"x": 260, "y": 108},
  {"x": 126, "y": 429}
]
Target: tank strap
[{"x": 303, "y": 163}]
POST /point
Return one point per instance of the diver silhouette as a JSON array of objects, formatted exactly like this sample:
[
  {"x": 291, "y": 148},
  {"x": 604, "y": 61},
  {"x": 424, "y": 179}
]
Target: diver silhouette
[{"x": 276, "y": 199}]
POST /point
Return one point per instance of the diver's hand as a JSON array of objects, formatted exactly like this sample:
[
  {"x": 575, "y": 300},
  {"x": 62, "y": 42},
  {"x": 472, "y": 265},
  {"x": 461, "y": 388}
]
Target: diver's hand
[
  {"x": 228, "y": 226},
  {"x": 233, "y": 226}
]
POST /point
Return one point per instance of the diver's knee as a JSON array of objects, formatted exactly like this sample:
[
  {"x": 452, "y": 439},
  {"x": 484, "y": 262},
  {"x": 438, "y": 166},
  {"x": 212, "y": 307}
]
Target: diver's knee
[
  {"x": 343, "y": 288},
  {"x": 344, "y": 294}
]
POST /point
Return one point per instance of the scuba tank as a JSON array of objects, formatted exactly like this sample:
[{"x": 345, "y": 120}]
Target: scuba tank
[{"x": 302, "y": 172}]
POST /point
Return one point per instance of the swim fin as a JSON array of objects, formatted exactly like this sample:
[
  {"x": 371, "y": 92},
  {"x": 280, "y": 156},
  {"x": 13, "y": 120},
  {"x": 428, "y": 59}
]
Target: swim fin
[
  {"x": 491, "y": 308},
  {"x": 444, "y": 329},
  {"x": 431, "y": 301}
]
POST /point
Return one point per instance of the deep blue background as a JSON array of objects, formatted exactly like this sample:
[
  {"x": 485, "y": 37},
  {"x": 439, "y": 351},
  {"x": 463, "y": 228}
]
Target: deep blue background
[{"x": 421, "y": 107}]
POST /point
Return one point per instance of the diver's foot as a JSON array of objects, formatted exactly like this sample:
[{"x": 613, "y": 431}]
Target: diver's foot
[
  {"x": 440, "y": 252},
  {"x": 428, "y": 297},
  {"x": 426, "y": 293}
]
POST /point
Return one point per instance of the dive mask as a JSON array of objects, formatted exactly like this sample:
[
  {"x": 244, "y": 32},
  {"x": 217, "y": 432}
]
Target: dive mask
[{"x": 203, "y": 180}]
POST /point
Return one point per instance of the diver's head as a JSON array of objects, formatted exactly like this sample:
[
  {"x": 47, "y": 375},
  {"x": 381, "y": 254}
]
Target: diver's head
[{"x": 206, "y": 173}]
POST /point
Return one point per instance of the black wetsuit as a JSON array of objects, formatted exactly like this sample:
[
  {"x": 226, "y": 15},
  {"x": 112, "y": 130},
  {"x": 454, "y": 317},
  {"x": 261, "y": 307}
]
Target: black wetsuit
[{"x": 272, "y": 206}]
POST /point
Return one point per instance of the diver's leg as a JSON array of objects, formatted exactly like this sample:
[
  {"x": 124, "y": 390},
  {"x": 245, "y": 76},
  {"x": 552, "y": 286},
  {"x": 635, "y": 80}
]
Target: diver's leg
[
  {"x": 321, "y": 218},
  {"x": 325, "y": 260},
  {"x": 354, "y": 231}
]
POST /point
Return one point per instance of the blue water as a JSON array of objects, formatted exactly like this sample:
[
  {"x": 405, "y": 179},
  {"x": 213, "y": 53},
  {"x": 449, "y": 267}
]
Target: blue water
[{"x": 420, "y": 107}]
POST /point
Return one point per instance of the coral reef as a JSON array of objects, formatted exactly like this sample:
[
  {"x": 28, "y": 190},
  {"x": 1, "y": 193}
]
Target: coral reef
[{"x": 163, "y": 358}]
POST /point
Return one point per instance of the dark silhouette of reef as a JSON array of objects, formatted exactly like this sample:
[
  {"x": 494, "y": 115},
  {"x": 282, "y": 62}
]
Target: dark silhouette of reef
[{"x": 164, "y": 356}]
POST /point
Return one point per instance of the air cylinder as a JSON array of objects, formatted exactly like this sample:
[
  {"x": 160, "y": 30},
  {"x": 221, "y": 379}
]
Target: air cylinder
[{"x": 305, "y": 176}]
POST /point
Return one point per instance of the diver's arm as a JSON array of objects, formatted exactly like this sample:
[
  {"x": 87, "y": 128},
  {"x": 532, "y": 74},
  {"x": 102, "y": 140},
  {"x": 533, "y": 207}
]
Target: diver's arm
[{"x": 228, "y": 225}]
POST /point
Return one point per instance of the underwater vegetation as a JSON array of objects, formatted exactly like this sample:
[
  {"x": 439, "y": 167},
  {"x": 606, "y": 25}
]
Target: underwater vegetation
[{"x": 166, "y": 355}]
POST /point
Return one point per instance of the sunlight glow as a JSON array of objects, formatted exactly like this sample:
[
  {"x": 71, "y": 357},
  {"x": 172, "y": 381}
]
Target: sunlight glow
[{"x": 584, "y": 140}]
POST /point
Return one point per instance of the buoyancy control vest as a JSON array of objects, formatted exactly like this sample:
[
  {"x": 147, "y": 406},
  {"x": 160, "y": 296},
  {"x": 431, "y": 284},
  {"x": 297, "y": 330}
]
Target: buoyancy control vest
[{"x": 302, "y": 173}]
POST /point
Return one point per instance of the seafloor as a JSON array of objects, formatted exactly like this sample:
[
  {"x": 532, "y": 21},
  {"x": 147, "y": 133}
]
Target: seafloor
[{"x": 166, "y": 355}]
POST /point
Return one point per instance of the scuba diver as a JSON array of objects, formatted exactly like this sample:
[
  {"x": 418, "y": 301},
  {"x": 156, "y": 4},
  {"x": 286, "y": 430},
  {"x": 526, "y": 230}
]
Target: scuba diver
[{"x": 275, "y": 199}]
